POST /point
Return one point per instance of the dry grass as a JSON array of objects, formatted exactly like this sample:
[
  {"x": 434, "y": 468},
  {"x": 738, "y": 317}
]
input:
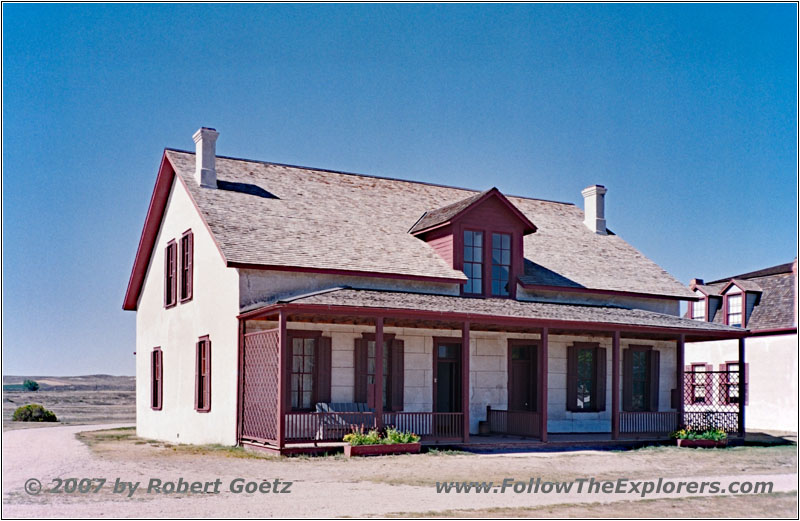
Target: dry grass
[
  {"x": 779, "y": 505},
  {"x": 73, "y": 407}
]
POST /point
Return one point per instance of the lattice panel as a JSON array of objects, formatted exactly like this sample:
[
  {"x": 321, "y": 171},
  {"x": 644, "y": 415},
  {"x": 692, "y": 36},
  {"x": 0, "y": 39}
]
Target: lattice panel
[
  {"x": 711, "y": 399},
  {"x": 260, "y": 386}
]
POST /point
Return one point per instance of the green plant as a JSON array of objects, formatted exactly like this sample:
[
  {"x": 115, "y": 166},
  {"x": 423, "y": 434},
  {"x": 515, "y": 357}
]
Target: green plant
[
  {"x": 688, "y": 433},
  {"x": 30, "y": 385},
  {"x": 33, "y": 413},
  {"x": 373, "y": 437}
]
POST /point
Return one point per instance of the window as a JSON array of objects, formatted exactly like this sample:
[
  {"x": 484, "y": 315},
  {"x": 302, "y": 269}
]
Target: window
[
  {"x": 501, "y": 264},
  {"x": 473, "y": 262},
  {"x": 640, "y": 373},
  {"x": 586, "y": 378},
  {"x": 393, "y": 371},
  {"x": 202, "y": 395},
  {"x": 387, "y": 374},
  {"x": 187, "y": 261},
  {"x": 304, "y": 353},
  {"x": 700, "y": 384},
  {"x": 156, "y": 387},
  {"x": 735, "y": 310},
  {"x": 170, "y": 274},
  {"x": 731, "y": 389},
  {"x": 699, "y": 310}
]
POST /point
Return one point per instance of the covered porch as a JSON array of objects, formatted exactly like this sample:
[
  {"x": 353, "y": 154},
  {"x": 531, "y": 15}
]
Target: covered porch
[{"x": 274, "y": 414}]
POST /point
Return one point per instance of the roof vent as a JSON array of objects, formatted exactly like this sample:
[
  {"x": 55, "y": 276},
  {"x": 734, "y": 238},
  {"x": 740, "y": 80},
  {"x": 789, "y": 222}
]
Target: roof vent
[
  {"x": 206, "y": 157},
  {"x": 594, "y": 210}
]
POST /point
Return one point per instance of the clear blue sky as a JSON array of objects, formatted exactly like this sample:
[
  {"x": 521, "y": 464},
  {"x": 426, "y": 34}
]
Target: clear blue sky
[{"x": 687, "y": 113}]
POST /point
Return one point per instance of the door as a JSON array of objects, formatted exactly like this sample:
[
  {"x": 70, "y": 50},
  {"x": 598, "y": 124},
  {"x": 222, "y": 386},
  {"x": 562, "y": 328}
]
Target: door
[
  {"x": 522, "y": 377},
  {"x": 447, "y": 387}
]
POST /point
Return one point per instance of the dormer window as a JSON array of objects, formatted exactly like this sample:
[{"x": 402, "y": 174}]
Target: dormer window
[
  {"x": 699, "y": 310},
  {"x": 482, "y": 237},
  {"x": 473, "y": 262},
  {"x": 735, "y": 310}
]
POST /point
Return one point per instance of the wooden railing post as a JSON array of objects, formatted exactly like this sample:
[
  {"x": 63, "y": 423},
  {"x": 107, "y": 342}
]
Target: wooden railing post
[
  {"x": 379, "y": 371},
  {"x": 681, "y": 392},
  {"x": 615, "y": 385},
  {"x": 465, "y": 378},
  {"x": 283, "y": 350},
  {"x": 742, "y": 387},
  {"x": 543, "y": 371}
]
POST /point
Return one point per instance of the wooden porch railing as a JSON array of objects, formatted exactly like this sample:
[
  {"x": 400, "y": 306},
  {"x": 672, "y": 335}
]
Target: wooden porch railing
[
  {"x": 307, "y": 427},
  {"x": 655, "y": 422},
  {"x": 516, "y": 423},
  {"x": 429, "y": 425}
]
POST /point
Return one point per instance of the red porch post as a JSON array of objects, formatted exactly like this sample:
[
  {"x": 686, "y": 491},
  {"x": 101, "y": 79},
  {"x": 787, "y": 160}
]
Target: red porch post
[
  {"x": 543, "y": 371},
  {"x": 465, "y": 377},
  {"x": 379, "y": 371},
  {"x": 742, "y": 387},
  {"x": 283, "y": 349},
  {"x": 615, "y": 385},
  {"x": 681, "y": 377}
]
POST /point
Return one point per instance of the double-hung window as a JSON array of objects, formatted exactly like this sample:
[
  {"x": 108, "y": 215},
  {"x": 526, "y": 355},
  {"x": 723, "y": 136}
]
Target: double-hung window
[
  {"x": 501, "y": 264},
  {"x": 202, "y": 388},
  {"x": 699, "y": 310},
  {"x": 156, "y": 379},
  {"x": 586, "y": 377},
  {"x": 735, "y": 310},
  {"x": 473, "y": 262},
  {"x": 187, "y": 261}
]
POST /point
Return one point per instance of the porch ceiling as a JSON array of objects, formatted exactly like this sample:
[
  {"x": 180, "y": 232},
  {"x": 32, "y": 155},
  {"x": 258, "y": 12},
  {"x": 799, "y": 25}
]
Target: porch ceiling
[{"x": 415, "y": 310}]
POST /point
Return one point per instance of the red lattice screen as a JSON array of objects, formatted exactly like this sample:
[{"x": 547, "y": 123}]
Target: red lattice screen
[
  {"x": 711, "y": 400},
  {"x": 260, "y": 386}
]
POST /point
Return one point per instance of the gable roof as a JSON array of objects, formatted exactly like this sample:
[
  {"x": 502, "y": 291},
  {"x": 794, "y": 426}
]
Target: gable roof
[
  {"x": 434, "y": 218},
  {"x": 275, "y": 216},
  {"x": 742, "y": 284}
]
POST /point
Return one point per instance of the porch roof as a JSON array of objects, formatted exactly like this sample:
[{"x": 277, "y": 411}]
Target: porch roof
[{"x": 500, "y": 311}]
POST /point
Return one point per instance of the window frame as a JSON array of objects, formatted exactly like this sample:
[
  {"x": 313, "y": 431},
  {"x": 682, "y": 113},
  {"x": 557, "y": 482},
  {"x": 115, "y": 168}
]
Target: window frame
[
  {"x": 704, "y": 384},
  {"x": 156, "y": 379},
  {"x": 171, "y": 274},
  {"x": 202, "y": 381},
  {"x": 599, "y": 371},
  {"x": 515, "y": 254},
  {"x": 742, "y": 303},
  {"x": 291, "y": 335},
  {"x": 704, "y": 316},
  {"x": 493, "y": 264},
  {"x": 464, "y": 231},
  {"x": 186, "y": 268}
]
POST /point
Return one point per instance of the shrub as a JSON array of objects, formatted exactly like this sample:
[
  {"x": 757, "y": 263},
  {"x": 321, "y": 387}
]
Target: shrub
[
  {"x": 373, "y": 437},
  {"x": 708, "y": 434},
  {"x": 30, "y": 385},
  {"x": 34, "y": 413}
]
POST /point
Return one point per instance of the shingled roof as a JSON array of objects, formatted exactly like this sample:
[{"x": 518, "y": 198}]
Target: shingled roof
[
  {"x": 267, "y": 214},
  {"x": 502, "y": 308},
  {"x": 775, "y": 309}
]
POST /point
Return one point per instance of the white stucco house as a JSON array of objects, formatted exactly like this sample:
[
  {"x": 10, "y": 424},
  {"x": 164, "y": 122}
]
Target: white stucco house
[
  {"x": 277, "y": 306},
  {"x": 764, "y": 302}
]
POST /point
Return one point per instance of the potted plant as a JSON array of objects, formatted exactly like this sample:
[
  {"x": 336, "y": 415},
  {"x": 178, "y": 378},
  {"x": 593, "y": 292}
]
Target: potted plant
[
  {"x": 360, "y": 443},
  {"x": 687, "y": 437}
]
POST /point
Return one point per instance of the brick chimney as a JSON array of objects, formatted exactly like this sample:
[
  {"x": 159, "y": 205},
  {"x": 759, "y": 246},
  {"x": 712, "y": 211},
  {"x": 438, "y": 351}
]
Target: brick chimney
[
  {"x": 594, "y": 208},
  {"x": 206, "y": 157}
]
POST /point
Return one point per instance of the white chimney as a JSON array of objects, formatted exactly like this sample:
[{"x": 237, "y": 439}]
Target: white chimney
[
  {"x": 594, "y": 210},
  {"x": 206, "y": 157}
]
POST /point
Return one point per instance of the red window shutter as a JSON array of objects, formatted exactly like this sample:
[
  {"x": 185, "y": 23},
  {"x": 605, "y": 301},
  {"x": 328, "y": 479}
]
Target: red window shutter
[
  {"x": 207, "y": 376},
  {"x": 170, "y": 269},
  {"x": 572, "y": 378},
  {"x": 186, "y": 268},
  {"x": 323, "y": 366},
  {"x": 627, "y": 380},
  {"x": 397, "y": 375},
  {"x": 655, "y": 368},
  {"x": 190, "y": 266},
  {"x": 156, "y": 387},
  {"x": 709, "y": 385},
  {"x": 360, "y": 386},
  {"x": 600, "y": 379}
]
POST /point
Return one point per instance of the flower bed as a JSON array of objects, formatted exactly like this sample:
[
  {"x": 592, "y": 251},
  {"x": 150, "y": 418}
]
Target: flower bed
[
  {"x": 372, "y": 443},
  {"x": 701, "y": 439}
]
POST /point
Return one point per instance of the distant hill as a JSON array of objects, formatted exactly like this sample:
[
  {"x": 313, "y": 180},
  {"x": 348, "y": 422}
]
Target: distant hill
[{"x": 90, "y": 382}]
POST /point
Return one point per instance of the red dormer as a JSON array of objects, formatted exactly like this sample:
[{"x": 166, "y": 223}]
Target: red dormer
[{"x": 481, "y": 236}]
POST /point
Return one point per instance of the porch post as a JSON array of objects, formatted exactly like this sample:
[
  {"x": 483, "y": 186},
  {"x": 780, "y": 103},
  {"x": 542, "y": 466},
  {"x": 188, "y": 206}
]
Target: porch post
[
  {"x": 283, "y": 349},
  {"x": 543, "y": 372},
  {"x": 615, "y": 386},
  {"x": 681, "y": 377},
  {"x": 742, "y": 387},
  {"x": 465, "y": 378},
  {"x": 379, "y": 371}
]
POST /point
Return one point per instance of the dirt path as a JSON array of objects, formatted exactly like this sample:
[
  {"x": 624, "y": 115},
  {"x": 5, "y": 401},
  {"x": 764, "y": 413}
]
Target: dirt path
[{"x": 326, "y": 487}]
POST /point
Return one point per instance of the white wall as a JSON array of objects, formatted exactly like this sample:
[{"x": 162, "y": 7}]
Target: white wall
[
  {"x": 772, "y": 360},
  {"x": 212, "y": 311}
]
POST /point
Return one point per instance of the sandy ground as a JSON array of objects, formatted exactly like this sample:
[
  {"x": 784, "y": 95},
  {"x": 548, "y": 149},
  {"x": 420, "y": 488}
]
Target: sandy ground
[
  {"x": 333, "y": 486},
  {"x": 73, "y": 406}
]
